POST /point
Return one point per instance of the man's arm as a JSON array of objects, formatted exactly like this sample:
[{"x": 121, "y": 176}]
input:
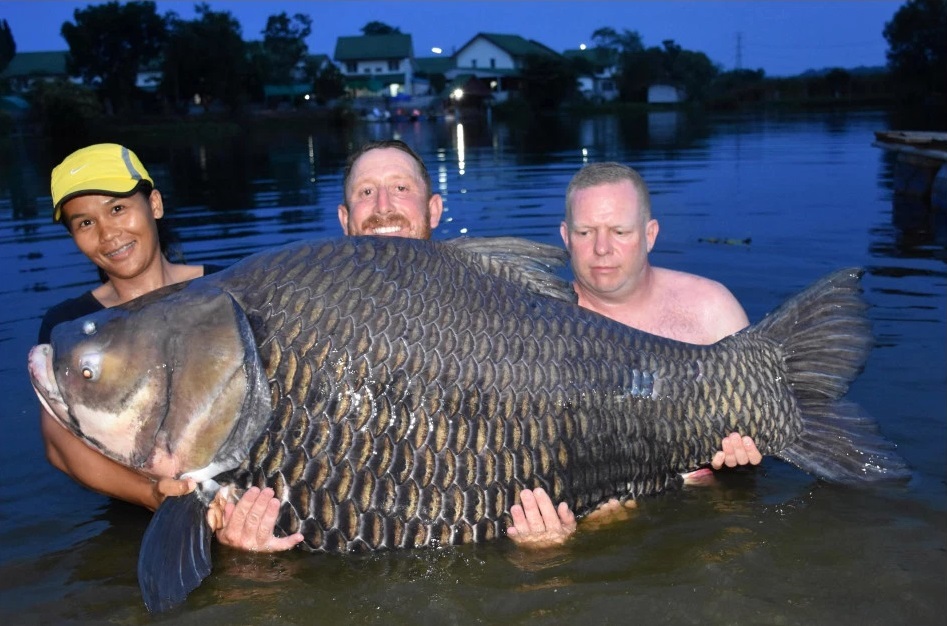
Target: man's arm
[
  {"x": 249, "y": 525},
  {"x": 69, "y": 454},
  {"x": 723, "y": 314}
]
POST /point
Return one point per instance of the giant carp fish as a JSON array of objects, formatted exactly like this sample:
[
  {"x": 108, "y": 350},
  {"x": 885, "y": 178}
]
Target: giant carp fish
[{"x": 398, "y": 393}]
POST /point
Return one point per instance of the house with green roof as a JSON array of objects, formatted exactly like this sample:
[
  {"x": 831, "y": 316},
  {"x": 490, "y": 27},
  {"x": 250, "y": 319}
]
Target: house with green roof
[
  {"x": 434, "y": 70},
  {"x": 301, "y": 86},
  {"x": 598, "y": 69},
  {"x": 497, "y": 61},
  {"x": 379, "y": 65},
  {"x": 26, "y": 68},
  {"x": 439, "y": 64}
]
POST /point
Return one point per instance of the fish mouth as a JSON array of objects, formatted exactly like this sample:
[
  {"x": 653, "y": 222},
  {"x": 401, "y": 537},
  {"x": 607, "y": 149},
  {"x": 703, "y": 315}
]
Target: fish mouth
[{"x": 44, "y": 382}]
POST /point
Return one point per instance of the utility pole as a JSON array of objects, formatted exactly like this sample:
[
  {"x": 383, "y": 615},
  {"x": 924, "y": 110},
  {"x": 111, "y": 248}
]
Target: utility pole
[{"x": 739, "y": 63}]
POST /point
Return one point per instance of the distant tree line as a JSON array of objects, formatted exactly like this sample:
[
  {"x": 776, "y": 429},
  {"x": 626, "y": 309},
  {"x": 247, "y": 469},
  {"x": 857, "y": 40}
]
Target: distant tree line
[
  {"x": 205, "y": 61},
  {"x": 916, "y": 35},
  {"x": 917, "y": 67}
]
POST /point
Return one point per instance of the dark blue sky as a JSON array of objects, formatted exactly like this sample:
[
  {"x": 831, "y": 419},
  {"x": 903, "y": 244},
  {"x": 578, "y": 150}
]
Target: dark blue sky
[{"x": 781, "y": 37}]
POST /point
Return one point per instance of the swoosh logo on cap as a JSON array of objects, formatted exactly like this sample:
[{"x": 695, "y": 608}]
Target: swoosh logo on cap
[{"x": 76, "y": 170}]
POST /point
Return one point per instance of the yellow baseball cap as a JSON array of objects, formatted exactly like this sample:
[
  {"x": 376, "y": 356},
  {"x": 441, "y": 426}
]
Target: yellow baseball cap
[{"x": 104, "y": 168}]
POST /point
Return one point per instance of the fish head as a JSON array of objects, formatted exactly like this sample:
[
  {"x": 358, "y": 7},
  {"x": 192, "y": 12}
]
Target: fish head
[{"x": 168, "y": 384}]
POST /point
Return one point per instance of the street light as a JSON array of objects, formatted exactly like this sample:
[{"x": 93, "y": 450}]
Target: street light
[{"x": 436, "y": 50}]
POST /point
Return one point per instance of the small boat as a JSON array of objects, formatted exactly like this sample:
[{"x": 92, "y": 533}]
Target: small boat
[
  {"x": 376, "y": 115},
  {"x": 916, "y": 139}
]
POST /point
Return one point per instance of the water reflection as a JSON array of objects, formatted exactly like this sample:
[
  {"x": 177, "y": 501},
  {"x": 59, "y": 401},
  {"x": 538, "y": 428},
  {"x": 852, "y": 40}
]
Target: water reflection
[
  {"x": 663, "y": 127},
  {"x": 461, "y": 149}
]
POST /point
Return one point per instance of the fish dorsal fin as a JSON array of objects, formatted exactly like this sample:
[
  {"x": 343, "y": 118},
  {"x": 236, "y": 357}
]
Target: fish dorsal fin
[{"x": 529, "y": 264}]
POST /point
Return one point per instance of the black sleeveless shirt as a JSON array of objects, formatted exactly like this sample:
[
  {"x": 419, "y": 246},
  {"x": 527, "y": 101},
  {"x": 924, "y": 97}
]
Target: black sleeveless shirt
[{"x": 74, "y": 308}]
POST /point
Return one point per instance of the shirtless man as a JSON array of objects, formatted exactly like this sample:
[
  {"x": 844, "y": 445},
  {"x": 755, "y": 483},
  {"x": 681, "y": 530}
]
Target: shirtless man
[{"x": 609, "y": 232}]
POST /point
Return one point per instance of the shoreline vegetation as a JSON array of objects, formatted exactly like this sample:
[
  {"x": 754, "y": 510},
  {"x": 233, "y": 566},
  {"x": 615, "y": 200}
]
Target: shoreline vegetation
[{"x": 65, "y": 123}]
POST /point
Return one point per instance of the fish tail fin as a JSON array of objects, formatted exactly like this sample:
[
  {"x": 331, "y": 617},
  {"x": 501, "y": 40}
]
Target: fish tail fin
[
  {"x": 840, "y": 443},
  {"x": 175, "y": 552},
  {"x": 826, "y": 338}
]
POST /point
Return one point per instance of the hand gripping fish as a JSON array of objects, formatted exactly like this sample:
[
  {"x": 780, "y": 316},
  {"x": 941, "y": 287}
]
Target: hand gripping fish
[{"x": 399, "y": 393}]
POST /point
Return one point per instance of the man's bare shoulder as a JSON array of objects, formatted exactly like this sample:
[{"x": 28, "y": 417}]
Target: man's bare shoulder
[
  {"x": 689, "y": 286},
  {"x": 709, "y": 301}
]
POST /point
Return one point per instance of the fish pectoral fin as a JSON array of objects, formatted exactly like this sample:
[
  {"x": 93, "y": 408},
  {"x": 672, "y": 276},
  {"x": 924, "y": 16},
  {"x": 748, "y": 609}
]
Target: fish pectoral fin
[{"x": 175, "y": 552}]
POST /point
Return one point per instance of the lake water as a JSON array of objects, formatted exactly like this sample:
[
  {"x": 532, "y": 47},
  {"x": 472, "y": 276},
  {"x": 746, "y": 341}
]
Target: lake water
[{"x": 802, "y": 194}]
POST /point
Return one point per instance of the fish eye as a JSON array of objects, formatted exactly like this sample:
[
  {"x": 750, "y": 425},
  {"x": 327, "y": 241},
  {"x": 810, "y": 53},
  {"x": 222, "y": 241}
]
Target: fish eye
[
  {"x": 88, "y": 327},
  {"x": 90, "y": 366}
]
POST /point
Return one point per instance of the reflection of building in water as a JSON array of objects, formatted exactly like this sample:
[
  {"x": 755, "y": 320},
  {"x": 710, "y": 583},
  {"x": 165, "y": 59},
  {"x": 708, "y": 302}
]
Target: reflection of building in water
[
  {"x": 599, "y": 138},
  {"x": 918, "y": 224},
  {"x": 663, "y": 127}
]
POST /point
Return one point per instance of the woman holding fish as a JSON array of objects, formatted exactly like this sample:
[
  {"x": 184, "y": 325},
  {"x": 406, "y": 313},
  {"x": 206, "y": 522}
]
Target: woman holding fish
[{"x": 106, "y": 199}]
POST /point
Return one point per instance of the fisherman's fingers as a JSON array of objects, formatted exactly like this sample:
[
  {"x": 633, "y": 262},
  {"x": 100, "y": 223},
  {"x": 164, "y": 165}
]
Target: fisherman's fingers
[
  {"x": 559, "y": 518},
  {"x": 537, "y": 523},
  {"x": 546, "y": 509},
  {"x": 266, "y": 540},
  {"x": 737, "y": 454},
  {"x": 263, "y": 526},
  {"x": 753, "y": 454},
  {"x": 736, "y": 450},
  {"x": 531, "y": 509},
  {"x": 527, "y": 520},
  {"x": 281, "y": 544},
  {"x": 242, "y": 522},
  {"x": 566, "y": 518},
  {"x": 172, "y": 487},
  {"x": 519, "y": 521}
]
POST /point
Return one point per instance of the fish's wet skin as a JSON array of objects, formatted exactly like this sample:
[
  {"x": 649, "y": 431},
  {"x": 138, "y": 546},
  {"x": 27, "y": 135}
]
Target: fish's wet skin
[{"x": 416, "y": 387}]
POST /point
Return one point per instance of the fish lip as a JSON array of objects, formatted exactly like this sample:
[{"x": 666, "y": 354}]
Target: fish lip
[{"x": 43, "y": 379}]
